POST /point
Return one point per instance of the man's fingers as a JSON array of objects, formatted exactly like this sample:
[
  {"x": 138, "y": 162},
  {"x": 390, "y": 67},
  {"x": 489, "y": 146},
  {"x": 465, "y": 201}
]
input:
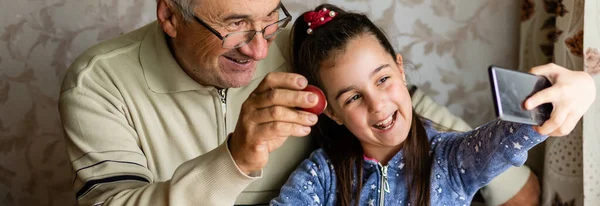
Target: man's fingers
[
  {"x": 557, "y": 118},
  {"x": 547, "y": 95},
  {"x": 284, "y": 114},
  {"x": 285, "y": 97},
  {"x": 283, "y": 80},
  {"x": 275, "y": 130}
]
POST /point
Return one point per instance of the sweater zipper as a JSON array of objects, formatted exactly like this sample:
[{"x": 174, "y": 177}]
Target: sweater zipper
[
  {"x": 223, "y": 97},
  {"x": 385, "y": 187}
]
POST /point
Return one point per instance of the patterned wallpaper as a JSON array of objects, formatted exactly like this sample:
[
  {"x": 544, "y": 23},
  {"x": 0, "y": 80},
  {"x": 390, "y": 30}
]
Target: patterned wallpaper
[
  {"x": 38, "y": 40},
  {"x": 449, "y": 42}
]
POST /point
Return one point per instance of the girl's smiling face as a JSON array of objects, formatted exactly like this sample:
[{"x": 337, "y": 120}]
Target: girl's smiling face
[{"x": 366, "y": 91}]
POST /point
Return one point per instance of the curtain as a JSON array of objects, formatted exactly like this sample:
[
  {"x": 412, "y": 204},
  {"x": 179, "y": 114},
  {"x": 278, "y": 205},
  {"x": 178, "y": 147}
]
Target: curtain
[
  {"x": 552, "y": 31},
  {"x": 591, "y": 120}
]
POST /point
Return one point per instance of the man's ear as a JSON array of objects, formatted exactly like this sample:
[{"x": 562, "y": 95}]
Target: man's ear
[
  {"x": 400, "y": 63},
  {"x": 167, "y": 17},
  {"x": 332, "y": 116}
]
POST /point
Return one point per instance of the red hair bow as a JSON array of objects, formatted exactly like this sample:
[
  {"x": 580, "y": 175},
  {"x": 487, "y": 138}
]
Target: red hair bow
[{"x": 317, "y": 18}]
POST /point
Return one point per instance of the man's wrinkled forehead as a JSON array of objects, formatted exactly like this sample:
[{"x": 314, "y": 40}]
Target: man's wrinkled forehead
[{"x": 236, "y": 9}]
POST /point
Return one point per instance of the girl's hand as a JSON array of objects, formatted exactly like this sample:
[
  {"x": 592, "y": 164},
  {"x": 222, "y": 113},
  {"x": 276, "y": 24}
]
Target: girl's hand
[{"x": 571, "y": 94}]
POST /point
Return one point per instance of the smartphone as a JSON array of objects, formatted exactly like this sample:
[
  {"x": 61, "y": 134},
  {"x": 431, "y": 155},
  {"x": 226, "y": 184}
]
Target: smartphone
[{"x": 511, "y": 88}]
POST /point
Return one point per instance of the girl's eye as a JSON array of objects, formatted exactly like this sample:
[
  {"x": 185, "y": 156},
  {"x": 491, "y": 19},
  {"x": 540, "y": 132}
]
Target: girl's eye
[
  {"x": 352, "y": 98},
  {"x": 382, "y": 80}
]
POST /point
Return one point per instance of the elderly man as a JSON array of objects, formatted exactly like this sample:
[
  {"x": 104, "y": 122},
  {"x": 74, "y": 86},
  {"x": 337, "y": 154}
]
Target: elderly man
[{"x": 189, "y": 109}]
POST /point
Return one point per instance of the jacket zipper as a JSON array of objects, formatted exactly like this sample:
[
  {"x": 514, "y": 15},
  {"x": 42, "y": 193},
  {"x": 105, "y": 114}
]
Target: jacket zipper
[
  {"x": 223, "y": 97},
  {"x": 385, "y": 187}
]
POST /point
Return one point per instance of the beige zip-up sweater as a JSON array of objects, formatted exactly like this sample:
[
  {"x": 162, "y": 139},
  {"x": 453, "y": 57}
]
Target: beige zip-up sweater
[{"x": 140, "y": 131}]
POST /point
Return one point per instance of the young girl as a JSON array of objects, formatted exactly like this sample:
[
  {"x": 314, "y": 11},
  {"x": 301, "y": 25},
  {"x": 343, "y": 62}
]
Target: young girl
[{"x": 374, "y": 149}]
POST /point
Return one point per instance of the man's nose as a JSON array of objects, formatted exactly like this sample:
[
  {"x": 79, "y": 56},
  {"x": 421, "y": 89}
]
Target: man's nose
[{"x": 257, "y": 48}]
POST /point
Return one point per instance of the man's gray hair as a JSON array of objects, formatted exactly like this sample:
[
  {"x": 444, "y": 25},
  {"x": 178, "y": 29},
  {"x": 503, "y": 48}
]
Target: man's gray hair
[{"x": 186, "y": 7}]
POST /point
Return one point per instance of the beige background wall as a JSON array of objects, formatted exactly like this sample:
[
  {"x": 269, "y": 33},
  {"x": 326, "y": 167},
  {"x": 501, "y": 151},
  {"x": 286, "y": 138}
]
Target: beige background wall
[{"x": 450, "y": 42}]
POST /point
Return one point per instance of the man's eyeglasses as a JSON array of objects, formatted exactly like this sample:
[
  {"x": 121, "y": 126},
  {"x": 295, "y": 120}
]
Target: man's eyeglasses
[{"x": 239, "y": 39}]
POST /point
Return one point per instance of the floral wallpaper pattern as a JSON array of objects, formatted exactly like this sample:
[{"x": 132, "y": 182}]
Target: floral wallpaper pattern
[
  {"x": 38, "y": 41},
  {"x": 592, "y": 61},
  {"x": 449, "y": 43}
]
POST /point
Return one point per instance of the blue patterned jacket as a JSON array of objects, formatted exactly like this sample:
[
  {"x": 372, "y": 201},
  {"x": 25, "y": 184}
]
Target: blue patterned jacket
[{"x": 462, "y": 163}]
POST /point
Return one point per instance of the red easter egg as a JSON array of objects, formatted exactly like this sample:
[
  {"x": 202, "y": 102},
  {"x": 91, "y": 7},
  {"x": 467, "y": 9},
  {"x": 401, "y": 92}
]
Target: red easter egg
[{"x": 322, "y": 102}]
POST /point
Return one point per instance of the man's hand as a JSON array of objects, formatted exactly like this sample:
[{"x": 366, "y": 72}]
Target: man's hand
[{"x": 268, "y": 117}]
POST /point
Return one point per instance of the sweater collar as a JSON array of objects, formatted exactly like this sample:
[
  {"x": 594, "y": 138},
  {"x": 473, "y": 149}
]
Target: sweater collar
[{"x": 396, "y": 163}]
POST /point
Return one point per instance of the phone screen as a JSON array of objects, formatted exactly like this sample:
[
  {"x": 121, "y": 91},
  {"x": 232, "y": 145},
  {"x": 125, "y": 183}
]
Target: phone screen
[{"x": 510, "y": 90}]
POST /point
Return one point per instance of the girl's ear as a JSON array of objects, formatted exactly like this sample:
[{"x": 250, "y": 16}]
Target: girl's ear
[
  {"x": 332, "y": 116},
  {"x": 400, "y": 63}
]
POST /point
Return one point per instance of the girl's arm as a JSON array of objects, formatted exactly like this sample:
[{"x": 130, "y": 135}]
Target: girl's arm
[
  {"x": 477, "y": 156},
  {"x": 312, "y": 183},
  {"x": 472, "y": 159}
]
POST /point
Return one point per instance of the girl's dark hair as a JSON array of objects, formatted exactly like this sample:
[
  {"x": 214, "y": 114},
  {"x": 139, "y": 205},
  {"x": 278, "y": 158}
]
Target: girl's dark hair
[{"x": 308, "y": 52}]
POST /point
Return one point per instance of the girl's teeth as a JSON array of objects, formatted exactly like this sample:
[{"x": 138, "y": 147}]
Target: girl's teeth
[{"x": 385, "y": 122}]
